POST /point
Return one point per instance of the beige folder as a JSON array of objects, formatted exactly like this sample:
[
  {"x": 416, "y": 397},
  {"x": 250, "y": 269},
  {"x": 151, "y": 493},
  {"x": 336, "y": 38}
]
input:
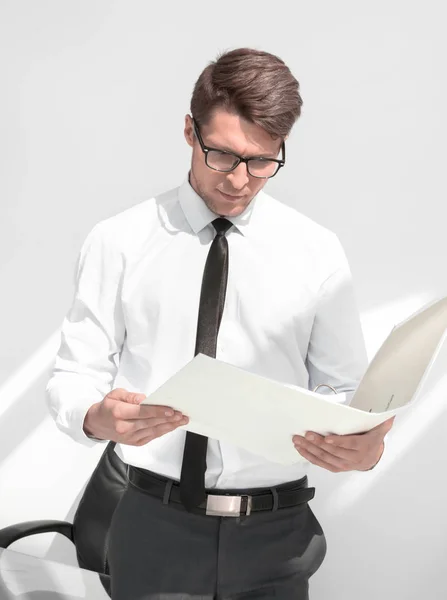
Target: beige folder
[{"x": 230, "y": 404}]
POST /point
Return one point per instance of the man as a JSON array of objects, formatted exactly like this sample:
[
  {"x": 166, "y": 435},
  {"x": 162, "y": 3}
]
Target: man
[{"x": 156, "y": 283}]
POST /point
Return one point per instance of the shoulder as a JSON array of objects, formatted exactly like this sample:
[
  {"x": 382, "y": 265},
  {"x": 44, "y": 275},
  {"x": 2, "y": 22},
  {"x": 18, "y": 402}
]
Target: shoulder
[
  {"x": 296, "y": 228},
  {"x": 128, "y": 229},
  {"x": 301, "y": 242}
]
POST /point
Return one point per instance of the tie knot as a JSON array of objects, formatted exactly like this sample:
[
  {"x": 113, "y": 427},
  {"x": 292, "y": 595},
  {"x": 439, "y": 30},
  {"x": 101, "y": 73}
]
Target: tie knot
[{"x": 222, "y": 225}]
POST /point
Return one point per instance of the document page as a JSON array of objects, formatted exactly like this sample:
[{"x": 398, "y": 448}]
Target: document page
[
  {"x": 401, "y": 364},
  {"x": 261, "y": 415}
]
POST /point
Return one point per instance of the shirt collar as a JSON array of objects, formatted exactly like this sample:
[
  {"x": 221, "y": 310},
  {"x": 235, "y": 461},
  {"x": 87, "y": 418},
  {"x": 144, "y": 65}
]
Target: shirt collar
[{"x": 199, "y": 215}]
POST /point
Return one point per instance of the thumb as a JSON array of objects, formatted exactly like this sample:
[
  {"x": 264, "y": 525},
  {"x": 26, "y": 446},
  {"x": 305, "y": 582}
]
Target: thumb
[{"x": 386, "y": 425}]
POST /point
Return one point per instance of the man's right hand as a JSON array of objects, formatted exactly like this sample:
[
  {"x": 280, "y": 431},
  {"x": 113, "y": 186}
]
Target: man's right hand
[{"x": 120, "y": 418}]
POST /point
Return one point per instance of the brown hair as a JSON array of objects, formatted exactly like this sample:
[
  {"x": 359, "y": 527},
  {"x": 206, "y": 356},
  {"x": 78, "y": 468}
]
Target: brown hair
[{"x": 254, "y": 84}]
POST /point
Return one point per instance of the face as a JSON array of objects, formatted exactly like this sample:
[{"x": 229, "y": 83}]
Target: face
[{"x": 228, "y": 194}]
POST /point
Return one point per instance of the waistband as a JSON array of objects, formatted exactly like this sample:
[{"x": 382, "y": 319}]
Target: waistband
[{"x": 225, "y": 502}]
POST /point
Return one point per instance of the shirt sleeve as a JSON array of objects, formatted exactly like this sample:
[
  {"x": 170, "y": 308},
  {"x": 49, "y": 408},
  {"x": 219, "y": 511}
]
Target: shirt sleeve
[
  {"x": 337, "y": 354},
  {"x": 92, "y": 335}
]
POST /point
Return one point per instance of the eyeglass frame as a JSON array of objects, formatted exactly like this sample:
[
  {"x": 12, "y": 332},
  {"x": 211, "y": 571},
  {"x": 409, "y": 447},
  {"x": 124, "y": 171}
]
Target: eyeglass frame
[{"x": 206, "y": 149}]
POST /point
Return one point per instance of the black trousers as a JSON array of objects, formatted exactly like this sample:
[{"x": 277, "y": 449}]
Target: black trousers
[{"x": 163, "y": 552}]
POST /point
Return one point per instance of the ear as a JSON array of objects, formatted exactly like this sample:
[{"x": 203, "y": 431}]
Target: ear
[{"x": 189, "y": 130}]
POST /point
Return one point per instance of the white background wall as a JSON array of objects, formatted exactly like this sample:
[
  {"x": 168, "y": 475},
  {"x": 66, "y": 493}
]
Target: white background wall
[{"x": 93, "y": 94}]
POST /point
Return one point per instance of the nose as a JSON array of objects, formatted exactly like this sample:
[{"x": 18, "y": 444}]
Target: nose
[{"x": 239, "y": 177}]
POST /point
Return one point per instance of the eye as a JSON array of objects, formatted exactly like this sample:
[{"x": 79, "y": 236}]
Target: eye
[{"x": 221, "y": 161}]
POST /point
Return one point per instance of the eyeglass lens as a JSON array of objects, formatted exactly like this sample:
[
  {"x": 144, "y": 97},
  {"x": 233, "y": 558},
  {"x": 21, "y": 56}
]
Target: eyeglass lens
[{"x": 220, "y": 161}]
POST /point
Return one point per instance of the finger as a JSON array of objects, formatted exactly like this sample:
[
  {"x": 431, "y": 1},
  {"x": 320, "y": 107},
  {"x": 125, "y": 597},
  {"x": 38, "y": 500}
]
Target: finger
[
  {"x": 386, "y": 425},
  {"x": 125, "y": 396},
  {"x": 166, "y": 427},
  {"x": 326, "y": 451},
  {"x": 122, "y": 411},
  {"x": 350, "y": 442},
  {"x": 357, "y": 441},
  {"x": 127, "y": 412},
  {"x": 138, "y": 424},
  {"x": 148, "y": 411},
  {"x": 319, "y": 462},
  {"x": 157, "y": 431},
  {"x": 129, "y": 427},
  {"x": 135, "y": 398}
]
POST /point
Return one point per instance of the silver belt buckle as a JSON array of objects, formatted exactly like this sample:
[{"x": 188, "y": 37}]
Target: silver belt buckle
[{"x": 227, "y": 506}]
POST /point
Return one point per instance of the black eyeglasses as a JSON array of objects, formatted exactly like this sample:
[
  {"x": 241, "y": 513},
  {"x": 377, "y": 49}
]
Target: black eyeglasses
[{"x": 224, "y": 161}]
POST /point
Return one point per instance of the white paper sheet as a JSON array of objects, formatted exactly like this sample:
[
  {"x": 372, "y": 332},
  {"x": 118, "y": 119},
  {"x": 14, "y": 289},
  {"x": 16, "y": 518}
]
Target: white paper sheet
[
  {"x": 402, "y": 363},
  {"x": 227, "y": 403}
]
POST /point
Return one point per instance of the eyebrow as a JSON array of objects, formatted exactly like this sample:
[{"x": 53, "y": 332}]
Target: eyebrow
[{"x": 227, "y": 149}]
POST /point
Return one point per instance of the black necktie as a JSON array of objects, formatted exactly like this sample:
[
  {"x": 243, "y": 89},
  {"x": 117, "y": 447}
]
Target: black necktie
[{"x": 212, "y": 299}]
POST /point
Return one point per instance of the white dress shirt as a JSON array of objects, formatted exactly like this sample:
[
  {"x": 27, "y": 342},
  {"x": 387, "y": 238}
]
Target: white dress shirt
[{"x": 290, "y": 314}]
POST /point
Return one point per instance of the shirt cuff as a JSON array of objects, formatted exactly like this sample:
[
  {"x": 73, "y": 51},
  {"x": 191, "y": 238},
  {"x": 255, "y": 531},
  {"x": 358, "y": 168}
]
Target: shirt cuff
[{"x": 69, "y": 416}]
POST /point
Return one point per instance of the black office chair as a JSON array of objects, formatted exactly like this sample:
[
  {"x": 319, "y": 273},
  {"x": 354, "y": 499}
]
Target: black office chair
[{"x": 92, "y": 519}]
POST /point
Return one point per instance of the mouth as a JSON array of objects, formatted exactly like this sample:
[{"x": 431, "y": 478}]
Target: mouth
[{"x": 229, "y": 197}]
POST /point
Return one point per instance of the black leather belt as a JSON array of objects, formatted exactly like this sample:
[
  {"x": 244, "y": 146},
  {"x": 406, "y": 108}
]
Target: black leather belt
[{"x": 225, "y": 503}]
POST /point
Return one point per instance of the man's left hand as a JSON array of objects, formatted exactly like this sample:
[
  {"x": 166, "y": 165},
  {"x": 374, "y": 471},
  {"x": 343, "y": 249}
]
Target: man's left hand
[{"x": 337, "y": 453}]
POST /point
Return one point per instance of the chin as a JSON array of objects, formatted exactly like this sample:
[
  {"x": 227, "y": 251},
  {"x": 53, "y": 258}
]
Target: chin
[{"x": 229, "y": 208}]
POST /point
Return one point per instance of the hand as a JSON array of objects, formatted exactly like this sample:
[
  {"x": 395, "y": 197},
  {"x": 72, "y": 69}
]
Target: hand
[
  {"x": 338, "y": 453},
  {"x": 120, "y": 418}
]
